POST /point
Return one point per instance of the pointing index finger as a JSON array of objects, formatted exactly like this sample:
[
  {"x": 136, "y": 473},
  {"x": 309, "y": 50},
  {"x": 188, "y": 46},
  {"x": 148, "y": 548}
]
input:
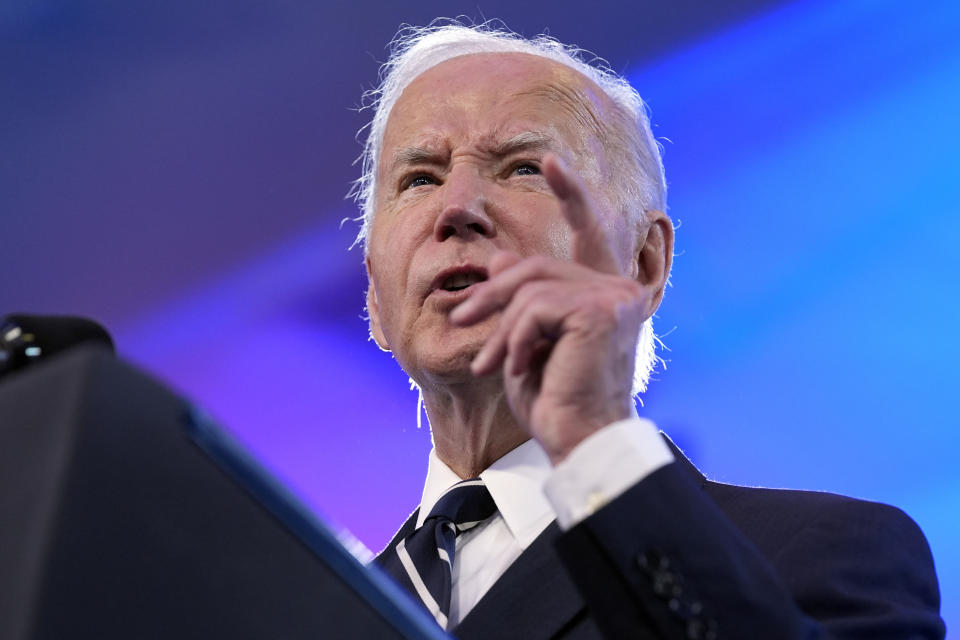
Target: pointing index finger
[{"x": 591, "y": 246}]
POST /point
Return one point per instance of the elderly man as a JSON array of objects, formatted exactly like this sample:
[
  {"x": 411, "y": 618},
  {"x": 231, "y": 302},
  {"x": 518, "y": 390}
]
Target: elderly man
[{"x": 517, "y": 247}]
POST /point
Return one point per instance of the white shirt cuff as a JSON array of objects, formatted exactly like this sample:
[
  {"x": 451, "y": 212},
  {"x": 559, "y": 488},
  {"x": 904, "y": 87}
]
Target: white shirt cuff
[{"x": 603, "y": 466}]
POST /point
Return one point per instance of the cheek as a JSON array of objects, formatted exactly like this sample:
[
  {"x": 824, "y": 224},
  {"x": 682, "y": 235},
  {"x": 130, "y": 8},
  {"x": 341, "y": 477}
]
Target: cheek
[
  {"x": 389, "y": 285},
  {"x": 553, "y": 239},
  {"x": 391, "y": 256},
  {"x": 383, "y": 281},
  {"x": 559, "y": 241},
  {"x": 535, "y": 226}
]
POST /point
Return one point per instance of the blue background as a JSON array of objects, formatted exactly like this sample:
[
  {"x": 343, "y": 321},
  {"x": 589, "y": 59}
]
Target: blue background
[{"x": 178, "y": 172}]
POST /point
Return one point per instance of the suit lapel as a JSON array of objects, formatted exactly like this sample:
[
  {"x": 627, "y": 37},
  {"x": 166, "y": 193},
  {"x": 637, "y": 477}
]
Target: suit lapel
[
  {"x": 508, "y": 611},
  {"x": 537, "y": 571},
  {"x": 405, "y": 529}
]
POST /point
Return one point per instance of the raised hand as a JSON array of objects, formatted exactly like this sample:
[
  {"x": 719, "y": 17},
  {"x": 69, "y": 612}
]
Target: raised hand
[{"x": 567, "y": 338}]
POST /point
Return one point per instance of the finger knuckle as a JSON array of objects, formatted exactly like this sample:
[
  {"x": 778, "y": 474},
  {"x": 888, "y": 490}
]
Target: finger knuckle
[{"x": 531, "y": 291}]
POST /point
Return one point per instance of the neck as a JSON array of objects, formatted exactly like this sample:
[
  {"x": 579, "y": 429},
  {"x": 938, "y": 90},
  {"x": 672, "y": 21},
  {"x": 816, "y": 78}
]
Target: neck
[{"x": 472, "y": 425}]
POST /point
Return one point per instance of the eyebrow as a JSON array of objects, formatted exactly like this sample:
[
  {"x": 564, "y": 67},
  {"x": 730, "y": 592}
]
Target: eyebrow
[
  {"x": 525, "y": 141},
  {"x": 418, "y": 155}
]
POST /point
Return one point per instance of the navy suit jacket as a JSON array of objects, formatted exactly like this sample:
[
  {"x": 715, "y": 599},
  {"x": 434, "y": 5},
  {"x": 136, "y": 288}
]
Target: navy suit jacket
[{"x": 681, "y": 557}]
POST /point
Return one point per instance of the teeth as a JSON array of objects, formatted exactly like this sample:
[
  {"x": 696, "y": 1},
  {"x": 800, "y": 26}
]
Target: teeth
[{"x": 461, "y": 280}]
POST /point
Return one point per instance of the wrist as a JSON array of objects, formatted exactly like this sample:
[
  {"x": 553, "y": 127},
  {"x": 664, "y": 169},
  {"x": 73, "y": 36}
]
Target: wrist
[
  {"x": 567, "y": 433},
  {"x": 603, "y": 467}
]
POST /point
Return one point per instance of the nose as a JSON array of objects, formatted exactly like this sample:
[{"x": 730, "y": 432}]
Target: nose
[{"x": 463, "y": 210}]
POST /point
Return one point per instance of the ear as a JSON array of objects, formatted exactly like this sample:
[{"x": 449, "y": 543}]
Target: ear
[
  {"x": 654, "y": 256},
  {"x": 373, "y": 310}
]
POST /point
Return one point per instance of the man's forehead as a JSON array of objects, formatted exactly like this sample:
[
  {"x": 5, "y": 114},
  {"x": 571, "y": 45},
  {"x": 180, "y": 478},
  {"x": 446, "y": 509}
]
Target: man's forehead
[
  {"x": 438, "y": 99},
  {"x": 578, "y": 99},
  {"x": 511, "y": 74},
  {"x": 470, "y": 68},
  {"x": 499, "y": 142}
]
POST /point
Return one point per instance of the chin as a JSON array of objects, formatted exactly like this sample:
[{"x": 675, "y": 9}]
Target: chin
[
  {"x": 441, "y": 354},
  {"x": 449, "y": 367},
  {"x": 446, "y": 361}
]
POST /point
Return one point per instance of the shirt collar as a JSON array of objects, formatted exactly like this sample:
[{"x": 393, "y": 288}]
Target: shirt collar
[{"x": 515, "y": 482}]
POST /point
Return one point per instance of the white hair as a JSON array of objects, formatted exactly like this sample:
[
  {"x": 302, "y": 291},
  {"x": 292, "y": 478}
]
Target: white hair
[{"x": 634, "y": 152}]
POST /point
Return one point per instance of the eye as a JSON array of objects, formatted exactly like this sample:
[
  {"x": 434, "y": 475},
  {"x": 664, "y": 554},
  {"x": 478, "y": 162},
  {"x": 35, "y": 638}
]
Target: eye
[
  {"x": 526, "y": 169},
  {"x": 419, "y": 180}
]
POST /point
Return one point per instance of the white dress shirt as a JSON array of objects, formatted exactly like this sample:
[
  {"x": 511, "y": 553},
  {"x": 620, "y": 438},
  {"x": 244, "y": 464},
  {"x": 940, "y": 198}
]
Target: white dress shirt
[{"x": 530, "y": 493}]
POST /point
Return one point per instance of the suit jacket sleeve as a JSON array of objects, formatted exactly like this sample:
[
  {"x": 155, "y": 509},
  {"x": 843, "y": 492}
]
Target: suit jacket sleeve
[{"x": 664, "y": 556}]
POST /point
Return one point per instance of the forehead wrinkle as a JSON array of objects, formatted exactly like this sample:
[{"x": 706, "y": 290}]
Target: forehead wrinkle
[
  {"x": 574, "y": 101},
  {"x": 491, "y": 144},
  {"x": 496, "y": 145}
]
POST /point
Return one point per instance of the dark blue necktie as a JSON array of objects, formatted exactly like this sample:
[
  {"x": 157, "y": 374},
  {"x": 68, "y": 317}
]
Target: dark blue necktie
[{"x": 422, "y": 561}]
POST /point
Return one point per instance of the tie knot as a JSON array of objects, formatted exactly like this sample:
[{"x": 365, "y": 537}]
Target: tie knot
[
  {"x": 465, "y": 504},
  {"x": 424, "y": 559}
]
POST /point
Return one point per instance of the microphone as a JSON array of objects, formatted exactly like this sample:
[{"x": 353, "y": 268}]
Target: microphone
[{"x": 26, "y": 339}]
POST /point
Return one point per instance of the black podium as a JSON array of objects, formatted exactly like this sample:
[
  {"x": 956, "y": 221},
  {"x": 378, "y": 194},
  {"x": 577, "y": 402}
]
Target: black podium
[{"x": 125, "y": 514}]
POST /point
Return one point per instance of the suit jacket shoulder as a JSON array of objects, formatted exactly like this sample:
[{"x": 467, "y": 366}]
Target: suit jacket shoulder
[
  {"x": 679, "y": 556},
  {"x": 680, "y": 553}
]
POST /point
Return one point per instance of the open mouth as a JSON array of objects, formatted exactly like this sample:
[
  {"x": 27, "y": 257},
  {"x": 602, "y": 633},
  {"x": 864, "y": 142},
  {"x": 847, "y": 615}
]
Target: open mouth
[{"x": 460, "y": 279}]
